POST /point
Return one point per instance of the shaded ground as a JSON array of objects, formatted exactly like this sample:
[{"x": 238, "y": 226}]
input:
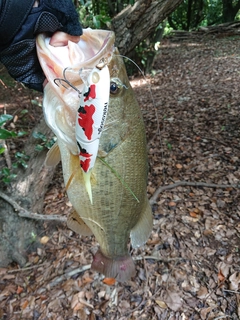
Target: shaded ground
[{"x": 189, "y": 269}]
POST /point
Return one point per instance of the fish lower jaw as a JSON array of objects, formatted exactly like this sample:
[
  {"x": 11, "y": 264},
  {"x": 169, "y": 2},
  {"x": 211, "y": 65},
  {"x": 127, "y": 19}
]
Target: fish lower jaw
[{"x": 121, "y": 268}]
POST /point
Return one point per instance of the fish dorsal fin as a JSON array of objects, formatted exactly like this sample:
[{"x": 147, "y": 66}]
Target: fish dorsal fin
[
  {"x": 75, "y": 223},
  {"x": 53, "y": 156},
  {"x": 141, "y": 231}
]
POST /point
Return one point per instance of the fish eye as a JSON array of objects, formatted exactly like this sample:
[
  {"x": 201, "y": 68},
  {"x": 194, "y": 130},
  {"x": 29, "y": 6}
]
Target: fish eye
[{"x": 114, "y": 88}]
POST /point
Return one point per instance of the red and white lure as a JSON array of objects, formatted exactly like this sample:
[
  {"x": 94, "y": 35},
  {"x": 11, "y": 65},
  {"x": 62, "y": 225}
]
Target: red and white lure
[{"x": 91, "y": 118}]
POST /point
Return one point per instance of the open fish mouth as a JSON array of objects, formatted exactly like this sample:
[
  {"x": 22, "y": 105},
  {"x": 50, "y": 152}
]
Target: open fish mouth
[
  {"x": 94, "y": 49},
  {"x": 79, "y": 68}
]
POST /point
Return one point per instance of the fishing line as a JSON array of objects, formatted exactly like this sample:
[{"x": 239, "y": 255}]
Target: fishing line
[
  {"x": 154, "y": 104},
  {"x": 119, "y": 178}
]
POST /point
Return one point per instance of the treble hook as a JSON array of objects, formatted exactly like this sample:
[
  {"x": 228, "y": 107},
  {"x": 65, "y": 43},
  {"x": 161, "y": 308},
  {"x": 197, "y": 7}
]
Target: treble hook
[{"x": 65, "y": 80}]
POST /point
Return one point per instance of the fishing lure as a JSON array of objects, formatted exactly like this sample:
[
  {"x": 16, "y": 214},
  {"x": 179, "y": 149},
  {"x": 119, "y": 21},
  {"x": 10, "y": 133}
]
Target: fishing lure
[{"x": 91, "y": 117}]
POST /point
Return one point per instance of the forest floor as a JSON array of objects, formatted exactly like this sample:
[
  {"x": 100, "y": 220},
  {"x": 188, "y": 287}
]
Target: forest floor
[{"x": 190, "y": 266}]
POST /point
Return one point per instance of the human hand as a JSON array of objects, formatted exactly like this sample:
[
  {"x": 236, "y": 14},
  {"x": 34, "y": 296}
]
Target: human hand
[{"x": 17, "y": 39}]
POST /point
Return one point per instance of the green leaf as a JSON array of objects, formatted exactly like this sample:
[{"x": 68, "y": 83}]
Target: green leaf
[
  {"x": 21, "y": 133},
  {"x": 4, "y": 118},
  {"x": 39, "y": 135},
  {"x": 39, "y": 147},
  {"x": 6, "y": 171},
  {"x": 24, "y": 111},
  {"x": 5, "y": 134},
  {"x": 2, "y": 149},
  {"x": 36, "y": 103}
]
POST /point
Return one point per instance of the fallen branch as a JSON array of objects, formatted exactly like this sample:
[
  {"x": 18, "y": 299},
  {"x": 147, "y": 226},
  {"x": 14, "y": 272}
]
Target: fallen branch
[
  {"x": 159, "y": 190},
  {"x": 31, "y": 215},
  {"x": 66, "y": 276}
]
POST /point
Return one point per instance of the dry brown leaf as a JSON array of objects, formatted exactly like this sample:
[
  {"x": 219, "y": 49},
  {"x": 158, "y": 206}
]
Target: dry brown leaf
[
  {"x": 44, "y": 240},
  {"x": 173, "y": 301},
  {"x": 161, "y": 303},
  {"x": 172, "y": 204},
  {"x": 202, "y": 293},
  {"x": 109, "y": 281},
  {"x": 24, "y": 305},
  {"x": 179, "y": 166},
  {"x": 19, "y": 290},
  {"x": 221, "y": 276},
  {"x": 234, "y": 281}
]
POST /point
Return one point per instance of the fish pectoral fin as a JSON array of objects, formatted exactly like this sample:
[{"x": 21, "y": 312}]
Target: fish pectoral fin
[
  {"x": 75, "y": 223},
  {"x": 141, "y": 231},
  {"x": 53, "y": 156},
  {"x": 121, "y": 268}
]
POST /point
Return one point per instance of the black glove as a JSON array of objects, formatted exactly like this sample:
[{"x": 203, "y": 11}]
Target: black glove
[{"x": 20, "y": 22}]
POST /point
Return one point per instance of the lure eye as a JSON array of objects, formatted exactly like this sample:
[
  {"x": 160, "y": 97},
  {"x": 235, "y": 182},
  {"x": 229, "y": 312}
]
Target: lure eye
[{"x": 114, "y": 88}]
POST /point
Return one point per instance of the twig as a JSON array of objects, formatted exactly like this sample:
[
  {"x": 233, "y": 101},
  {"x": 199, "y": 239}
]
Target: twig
[
  {"x": 27, "y": 268},
  {"x": 31, "y": 215},
  {"x": 232, "y": 291},
  {"x": 157, "y": 258},
  {"x": 66, "y": 276},
  {"x": 186, "y": 183}
]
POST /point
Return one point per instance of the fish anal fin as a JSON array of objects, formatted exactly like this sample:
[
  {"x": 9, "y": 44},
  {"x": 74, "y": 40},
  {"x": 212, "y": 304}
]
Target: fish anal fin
[
  {"x": 53, "y": 156},
  {"x": 75, "y": 223},
  {"x": 121, "y": 268},
  {"x": 141, "y": 231}
]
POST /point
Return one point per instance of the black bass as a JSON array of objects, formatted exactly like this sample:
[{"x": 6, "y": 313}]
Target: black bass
[{"x": 119, "y": 207}]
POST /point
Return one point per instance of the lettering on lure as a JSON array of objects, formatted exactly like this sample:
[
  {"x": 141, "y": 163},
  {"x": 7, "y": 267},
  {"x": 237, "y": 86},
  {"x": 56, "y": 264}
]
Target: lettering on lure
[
  {"x": 85, "y": 119},
  {"x": 105, "y": 109}
]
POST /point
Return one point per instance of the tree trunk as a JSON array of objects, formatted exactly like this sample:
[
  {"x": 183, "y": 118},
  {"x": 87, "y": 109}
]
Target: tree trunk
[
  {"x": 135, "y": 23},
  {"x": 230, "y": 11},
  {"x": 18, "y": 234}
]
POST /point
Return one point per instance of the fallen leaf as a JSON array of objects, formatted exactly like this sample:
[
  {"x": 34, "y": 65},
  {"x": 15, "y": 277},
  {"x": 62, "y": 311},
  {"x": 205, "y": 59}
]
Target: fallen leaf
[
  {"x": 178, "y": 166},
  {"x": 44, "y": 240},
  {"x": 234, "y": 281},
  {"x": 173, "y": 301},
  {"x": 109, "y": 281},
  {"x": 221, "y": 277},
  {"x": 202, "y": 293},
  {"x": 19, "y": 290},
  {"x": 24, "y": 305},
  {"x": 172, "y": 204},
  {"x": 161, "y": 304}
]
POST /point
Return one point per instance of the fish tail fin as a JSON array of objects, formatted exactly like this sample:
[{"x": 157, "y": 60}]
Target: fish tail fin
[
  {"x": 141, "y": 231},
  {"x": 87, "y": 180},
  {"x": 121, "y": 268}
]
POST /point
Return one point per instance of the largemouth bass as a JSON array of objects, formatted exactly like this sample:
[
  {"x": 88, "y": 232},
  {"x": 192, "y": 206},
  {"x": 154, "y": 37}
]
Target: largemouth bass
[{"x": 119, "y": 208}]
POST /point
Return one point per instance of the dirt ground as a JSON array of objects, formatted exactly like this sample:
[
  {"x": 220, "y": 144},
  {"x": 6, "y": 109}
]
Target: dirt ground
[{"x": 190, "y": 266}]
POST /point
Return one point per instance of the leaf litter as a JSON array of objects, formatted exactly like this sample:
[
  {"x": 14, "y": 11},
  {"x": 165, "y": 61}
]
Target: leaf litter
[{"x": 189, "y": 268}]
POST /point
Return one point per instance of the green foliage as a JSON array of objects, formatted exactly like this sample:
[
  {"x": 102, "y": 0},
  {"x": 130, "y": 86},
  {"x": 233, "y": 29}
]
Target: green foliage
[
  {"x": 92, "y": 18},
  {"x": 7, "y": 175},
  {"x": 192, "y": 14},
  {"x": 45, "y": 143},
  {"x": 6, "y": 134}
]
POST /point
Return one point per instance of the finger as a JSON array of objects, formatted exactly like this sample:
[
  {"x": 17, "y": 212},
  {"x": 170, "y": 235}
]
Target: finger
[{"x": 60, "y": 39}]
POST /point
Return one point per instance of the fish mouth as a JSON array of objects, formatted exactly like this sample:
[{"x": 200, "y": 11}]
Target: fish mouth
[{"x": 94, "y": 49}]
